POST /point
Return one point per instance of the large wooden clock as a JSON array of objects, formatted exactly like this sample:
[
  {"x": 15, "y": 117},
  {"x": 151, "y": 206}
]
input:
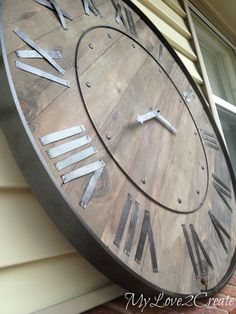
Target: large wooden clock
[{"x": 118, "y": 143}]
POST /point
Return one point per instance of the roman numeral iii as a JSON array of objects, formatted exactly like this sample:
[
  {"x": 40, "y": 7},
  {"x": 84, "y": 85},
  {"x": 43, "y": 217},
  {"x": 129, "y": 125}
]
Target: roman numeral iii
[{"x": 145, "y": 233}]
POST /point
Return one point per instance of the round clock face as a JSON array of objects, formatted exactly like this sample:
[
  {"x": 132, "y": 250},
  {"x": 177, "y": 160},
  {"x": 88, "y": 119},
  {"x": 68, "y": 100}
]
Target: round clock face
[{"x": 118, "y": 143}]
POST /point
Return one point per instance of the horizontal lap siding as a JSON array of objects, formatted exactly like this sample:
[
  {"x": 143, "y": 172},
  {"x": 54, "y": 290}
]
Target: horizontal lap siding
[
  {"x": 29, "y": 287},
  {"x": 10, "y": 175},
  {"x": 26, "y": 232},
  {"x": 169, "y": 18},
  {"x": 38, "y": 267}
]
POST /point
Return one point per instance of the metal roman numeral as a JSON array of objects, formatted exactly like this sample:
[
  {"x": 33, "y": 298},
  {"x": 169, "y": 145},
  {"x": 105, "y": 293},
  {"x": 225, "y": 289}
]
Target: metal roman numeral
[
  {"x": 197, "y": 246},
  {"x": 161, "y": 53},
  {"x": 36, "y": 47},
  {"x": 32, "y": 54},
  {"x": 49, "y": 6},
  {"x": 209, "y": 139},
  {"x": 223, "y": 190},
  {"x": 126, "y": 19},
  {"x": 61, "y": 135},
  {"x": 123, "y": 220},
  {"x": 90, "y": 5},
  {"x": 220, "y": 229},
  {"x": 189, "y": 95},
  {"x": 59, "y": 13},
  {"x": 146, "y": 232},
  {"x": 75, "y": 158},
  {"x": 38, "y": 72},
  {"x": 91, "y": 186},
  {"x": 68, "y": 147},
  {"x": 132, "y": 228},
  {"x": 95, "y": 168},
  {"x": 131, "y": 23}
]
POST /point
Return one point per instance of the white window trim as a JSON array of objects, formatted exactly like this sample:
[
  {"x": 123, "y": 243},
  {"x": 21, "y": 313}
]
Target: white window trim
[
  {"x": 212, "y": 27},
  {"x": 224, "y": 104},
  {"x": 224, "y": 63},
  {"x": 211, "y": 98}
]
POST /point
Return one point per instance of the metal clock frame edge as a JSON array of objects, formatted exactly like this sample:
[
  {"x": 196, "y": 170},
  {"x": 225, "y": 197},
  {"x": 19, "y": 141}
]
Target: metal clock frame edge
[{"x": 31, "y": 164}]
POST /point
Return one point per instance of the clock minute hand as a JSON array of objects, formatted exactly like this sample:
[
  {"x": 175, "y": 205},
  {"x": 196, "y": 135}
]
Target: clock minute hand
[{"x": 157, "y": 115}]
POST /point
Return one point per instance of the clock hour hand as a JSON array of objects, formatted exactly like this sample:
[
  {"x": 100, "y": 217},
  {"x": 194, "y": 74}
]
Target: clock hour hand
[{"x": 157, "y": 115}]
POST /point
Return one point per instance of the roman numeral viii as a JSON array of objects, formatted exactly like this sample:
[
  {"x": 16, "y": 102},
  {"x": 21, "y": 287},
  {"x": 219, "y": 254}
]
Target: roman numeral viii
[
  {"x": 194, "y": 252},
  {"x": 145, "y": 233}
]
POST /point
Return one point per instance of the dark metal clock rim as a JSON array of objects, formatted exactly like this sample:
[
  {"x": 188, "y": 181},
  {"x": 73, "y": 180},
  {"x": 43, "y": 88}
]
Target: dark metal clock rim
[
  {"x": 103, "y": 142},
  {"x": 76, "y": 231}
]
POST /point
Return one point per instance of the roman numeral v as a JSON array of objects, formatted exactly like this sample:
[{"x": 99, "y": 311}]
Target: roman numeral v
[
  {"x": 195, "y": 251},
  {"x": 220, "y": 231}
]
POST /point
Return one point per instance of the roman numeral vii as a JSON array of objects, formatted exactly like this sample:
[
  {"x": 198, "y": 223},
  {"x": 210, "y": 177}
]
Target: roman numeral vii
[{"x": 145, "y": 233}]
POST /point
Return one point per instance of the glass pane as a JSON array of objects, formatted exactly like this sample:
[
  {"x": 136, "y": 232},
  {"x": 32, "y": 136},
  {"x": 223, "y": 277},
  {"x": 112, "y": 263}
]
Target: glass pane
[
  {"x": 220, "y": 62},
  {"x": 228, "y": 122}
]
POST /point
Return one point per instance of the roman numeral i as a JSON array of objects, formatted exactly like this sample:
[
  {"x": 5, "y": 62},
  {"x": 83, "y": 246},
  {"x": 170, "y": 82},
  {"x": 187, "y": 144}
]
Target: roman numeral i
[{"x": 145, "y": 233}]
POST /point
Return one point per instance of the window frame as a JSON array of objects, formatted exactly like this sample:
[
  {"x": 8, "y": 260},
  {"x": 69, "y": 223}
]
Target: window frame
[{"x": 213, "y": 100}]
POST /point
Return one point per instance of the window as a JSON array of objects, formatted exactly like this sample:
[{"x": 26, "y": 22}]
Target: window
[{"x": 220, "y": 63}]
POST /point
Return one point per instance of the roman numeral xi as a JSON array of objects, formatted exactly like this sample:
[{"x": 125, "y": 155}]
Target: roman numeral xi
[{"x": 145, "y": 233}]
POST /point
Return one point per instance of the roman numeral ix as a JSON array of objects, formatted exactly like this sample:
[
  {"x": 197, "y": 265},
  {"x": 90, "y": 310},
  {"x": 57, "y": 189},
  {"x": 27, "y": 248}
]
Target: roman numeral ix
[
  {"x": 194, "y": 252},
  {"x": 145, "y": 233}
]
